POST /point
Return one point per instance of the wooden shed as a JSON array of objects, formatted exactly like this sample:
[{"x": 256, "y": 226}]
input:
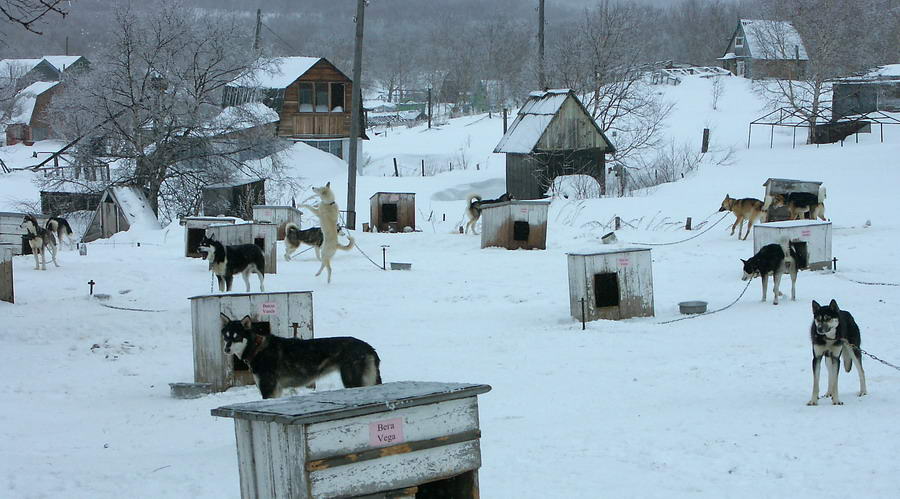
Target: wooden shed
[
  {"x": 786, "y": 186},
  {"x": 7, "y": 291},
  {"x": 278, "y": 215},
  {"x": 195, "y": 229},
  {"x": 392, "y": 211},
  {"x": 875, "y": 90},
  {"x": 552, "y": 135},
  {"x": 234, "y": 199},
  {"x": 812, "y": 238},
  {"x": 396, "y": 440},
  {"x": 515, "y": 224},
  {"x": 11, "y": 233},
  {"x": 272, "y": 313},
  {"x": 120, "y": 208},
  {"x": 760, "y": 48},
  {"x": 615, "y": 283},
  {"x": 30, "y": 119},
  {"x": 263, "y": 235}
]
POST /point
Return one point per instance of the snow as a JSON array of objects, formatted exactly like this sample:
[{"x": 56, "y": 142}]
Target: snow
[
  {"x": 708, "y": 407},
  {"x": 135, "y": 207},
  {"x": 246, "y": 115},
  {"x": 524, "y": 133},
  {"x": 284, "y": 71},
  {"x": 16, "y": 67},
  {"x": 768, "y": 39},
  {"x": 62, "y": 62},
  {"x": 26, "y": 100}
]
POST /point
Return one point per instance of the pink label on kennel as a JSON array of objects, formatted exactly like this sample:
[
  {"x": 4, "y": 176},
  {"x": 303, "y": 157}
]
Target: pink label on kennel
[
  {"x": 267, "y": 215},
  {"x": 523, "y": 211},
  {"x": 624, "y": 262},
  {"x": 805, "y": 233},
  {"x": 268, "y": 308},
  {"x": 387, "y": 432}
]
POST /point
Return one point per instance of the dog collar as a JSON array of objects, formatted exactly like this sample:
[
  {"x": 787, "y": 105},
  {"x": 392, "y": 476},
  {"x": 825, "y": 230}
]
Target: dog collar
[{"x": 333, "y": 202}]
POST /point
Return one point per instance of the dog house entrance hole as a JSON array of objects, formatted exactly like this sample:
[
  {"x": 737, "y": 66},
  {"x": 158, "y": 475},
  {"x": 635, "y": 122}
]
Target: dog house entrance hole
[
  {"x": 520, "y": 231},
  {"x": 389, "y": 212},
  {"x": 259, "y": 328},
  {"x": 194, "y": 237},
  {"x": 260, "y": 243},
  {"x": 606, "y": 290},
  {"x": 801, "y": 248}
]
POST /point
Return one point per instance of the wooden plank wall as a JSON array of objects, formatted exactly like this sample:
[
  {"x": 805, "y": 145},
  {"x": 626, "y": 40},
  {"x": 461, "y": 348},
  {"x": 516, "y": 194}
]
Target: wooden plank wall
[
  {"x": 7, "y": 292},
  {"x": 10, "y": 232},
  {"x": 635, "y": 276},
  {"x": 278, "y": 215},
  {"x": 406, "y": 210},
  {"x": 498, "y": 223},
  {"x": 816, "y": 234},
  {"x": 230, "y": 235},
  {"x": 296, "y": 124}
]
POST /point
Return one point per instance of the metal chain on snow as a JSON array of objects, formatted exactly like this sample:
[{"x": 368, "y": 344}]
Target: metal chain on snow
[
  {"x": 129, "y": 309},
  {"x": 868, "y": 283},
  {"x": 874, "y": 357},
  {"x": 694, "y": 316},
  {"x": 367, "y": 256},
  {"x": 688, "y": 239}
]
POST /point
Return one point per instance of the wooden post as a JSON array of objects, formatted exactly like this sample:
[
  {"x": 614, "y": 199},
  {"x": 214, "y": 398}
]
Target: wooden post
[
  {"x": 423, "y": 167},
  {"x": 451, "y": 166},
  {"x": 705, "y": 146},
  {"x": 582, "y": 314},
  {"x": 429, "y": 108},
  {"x": 7, "y": 291},
  {"x": 618, "y": 223},
  {"x": 295, "y": 326},
  {"x": 542, "y": 80},
  {"x": 396, "y": 172},
  {"x": 384, "y": 248},
  {"x": 356, "y": 107},
  {"x": 687, "y": 226},
  {"x": 504, "y": 120}
]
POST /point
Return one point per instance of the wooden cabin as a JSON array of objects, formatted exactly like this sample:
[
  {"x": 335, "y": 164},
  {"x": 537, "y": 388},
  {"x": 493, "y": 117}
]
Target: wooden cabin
[
  {"x": 30, "y": 120},
  {"x": 392, "y": 211},
  {"x": 265, "y": 236},
  {"x": 234, "y": 199},
  {"x": 613, "y": 283},
  {"x": 278, "y": 215},
  {"x": 811, "y": 238},
  {"x": 515, "y": 224},
  {"x": 120, "y": 208},
  {"x": 785, "y": 186},
  {"x": 552, "y": 135},
  {"x": 765, "y": 49},
  {"x": 11, "y": 234}
]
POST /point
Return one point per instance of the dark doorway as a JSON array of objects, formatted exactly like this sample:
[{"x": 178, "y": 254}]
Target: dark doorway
[
  {"x": 388, "y": 212},
  {"x": 521, "y": 231},
  {"x": 194, "y": 237},
  {"x": 260, "y": 242},
  {"x": 606, "y": 290}
]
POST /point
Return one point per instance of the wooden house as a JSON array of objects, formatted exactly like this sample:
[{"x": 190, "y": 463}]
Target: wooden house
[
  {"x": 11, "y": 234},
  {"x": 396, "y": 440},
  {"x": 195, "y": 230},
  {"x": 272, "y": 313},
  {"x": 613, "y": 283},
  {"x": 19, "y": 73},
  {"x": 392, "y": 211},
  {"x": 278, "y": 215},
  {"x": 30, "y": 120},
  {"x": 874, "y": 90},
  {"x": 120, "y": 208},
  {"x": 312, "y": 98},
  {"x": 785, "y": 186},
  {"x": 515, "y": 224},
  {"x": 552, "y": 135},
  {"x": 765, "y": 49},
  {"x": 264, "y": 235},
  {"x": 812, "y": 238},
  {"x": 234, "y": 199}
]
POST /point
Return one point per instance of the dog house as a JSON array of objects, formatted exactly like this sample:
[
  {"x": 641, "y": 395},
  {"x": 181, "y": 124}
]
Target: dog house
[
  {"x": 615, "y": 283},
  {"x": 515, "y": 224},
  {"x": 810, "y": 237},
  {"x": 195, "y": 229},
  {"x": 399, "y": 440},
  {"x": 392, "y": 211},
  {"x": 260, "y": 234},
  {"x": 7, "y": 292},
  {"x": 120, "y": 208},
  {"x": 11, "y": 232},
  {"x": 278, "y": 215},
  {"x": 272, "y": 313},
  {"x": 785, "y": 186}
]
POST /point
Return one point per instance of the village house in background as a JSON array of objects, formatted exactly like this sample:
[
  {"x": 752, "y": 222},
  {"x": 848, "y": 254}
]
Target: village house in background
[
  {"x": 29, "y": 120},
  {"x": 765, "y": 49},
  {"x": 875, "y": 90},
  {"x": 24, "y": 72}
]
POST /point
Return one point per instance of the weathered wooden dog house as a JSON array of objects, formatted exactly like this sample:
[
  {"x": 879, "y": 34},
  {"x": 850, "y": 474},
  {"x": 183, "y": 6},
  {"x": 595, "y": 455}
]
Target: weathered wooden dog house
[
  {"x": 7, "y": 292},
  {"x": 392, "y": 211},
  {"x": 11, "y": 232},
  {"x": 786, "y": 186},
  {"x": 234, "y": 199},
  {"x": 263, "y": 235},
  {"x": 120, "y": 208},
  {"x": 278, "y": 215},
  {"x": 812, "y": 238},
  {"x": 615, "y": 283},
  {"x": 272, "y": 313},
  {"x": 195, "y": 229},
  {"x": 552, "y": 135},
  {"x": 399, "y": 440},
  {"x": 515, "y": 224}
]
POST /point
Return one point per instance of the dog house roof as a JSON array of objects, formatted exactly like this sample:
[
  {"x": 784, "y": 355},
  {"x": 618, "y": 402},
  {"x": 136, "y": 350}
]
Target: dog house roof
[
  {"x": 784, "y": 180},
  {"x": 535, "y": 202},
  {"x": 264, "y": 293},
  {"x": 607, "y": 251},
  {"x": 792, "y": 223}
]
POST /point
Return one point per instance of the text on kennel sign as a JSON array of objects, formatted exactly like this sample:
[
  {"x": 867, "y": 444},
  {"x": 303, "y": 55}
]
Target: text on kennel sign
[
  {"x": 387, "y": 432},
  {"x": 624, "y": 262},
  {"x": 268, "y": 308},
  {"x": 806, "y": 233}
]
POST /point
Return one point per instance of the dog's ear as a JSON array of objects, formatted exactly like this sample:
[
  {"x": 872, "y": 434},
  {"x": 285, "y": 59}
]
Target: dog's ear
[
  {"x": 816, "y": 307},
  {"x": 328, "y": 185},
  {"x": 834, "y": 305},
  {"x": 745, "y": 261},
  {"x": 225, "y": 319},
  {"x": 247, "y": 322}
]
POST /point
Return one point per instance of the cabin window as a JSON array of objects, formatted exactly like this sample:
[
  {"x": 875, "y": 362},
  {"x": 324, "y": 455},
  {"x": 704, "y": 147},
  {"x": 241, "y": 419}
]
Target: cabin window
[
  {"x": 520, "y": 231},
  {"x": 337, "y": 97},
  {"x": 606, "y": 290},
  {"x": 322, "y": 98},
  {"x": 738, "y": 42},
  {"x": 389, "y": 212},
  {"x": 306, "y": 97}
]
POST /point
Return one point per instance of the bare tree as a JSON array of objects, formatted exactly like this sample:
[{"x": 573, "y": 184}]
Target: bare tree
[
  {"x": 27, "y": 13},
  {"x": 717, "y": 89}
]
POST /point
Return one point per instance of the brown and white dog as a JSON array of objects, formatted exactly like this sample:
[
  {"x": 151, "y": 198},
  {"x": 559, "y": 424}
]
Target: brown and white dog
[
  {"x": 800, "y": 204},
  {"x": 749, "y": 209}
]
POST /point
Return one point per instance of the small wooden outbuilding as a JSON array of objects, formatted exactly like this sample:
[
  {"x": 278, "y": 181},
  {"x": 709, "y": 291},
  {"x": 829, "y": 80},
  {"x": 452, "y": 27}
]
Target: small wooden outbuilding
[
  {"x": 392, "y": 211},
  {"x": 195, "y": 229},
  {"x": 234, "y": 199},
  {"x": 396, "y": 440},
  {"x": 812, "y": 238},
  {"x": 7, "y": 292},
  {"x": 263, "y": 235},
  {"x": 278, "y": 215},
  {"x": 875, "y": 90},
  {"x": 515, "y": 224},
  {"x": 762, "y": 48},
  {"x": 11, "y": 232},
  {"x": 120, "y": 208},
  {"x": 786, "y": 186},
  {"x": 552, "y": 135},
  {"x": 614, "y": 283},
  {"x": 30, "y": 120},
  {"x": 272, "y": 313}
]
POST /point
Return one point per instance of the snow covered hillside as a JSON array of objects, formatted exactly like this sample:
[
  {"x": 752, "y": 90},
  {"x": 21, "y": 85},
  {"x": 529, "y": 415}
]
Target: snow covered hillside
[{"x": 713, "y": 406}]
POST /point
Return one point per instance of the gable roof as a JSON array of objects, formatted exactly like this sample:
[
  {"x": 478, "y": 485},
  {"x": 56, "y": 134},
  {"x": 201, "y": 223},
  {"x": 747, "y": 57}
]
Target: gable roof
[
  {"x": 62, "y": 62},
  {"x": 26, "y": 99},
  {"x": 17, "y": 67},
  {"x": 284, "y": 71},
  {"x": 775, "y": 40}
]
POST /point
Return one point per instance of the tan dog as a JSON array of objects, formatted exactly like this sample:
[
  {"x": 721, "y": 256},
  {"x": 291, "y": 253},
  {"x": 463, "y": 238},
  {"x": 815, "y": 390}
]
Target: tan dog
[
  {"x": 327, "y": 211},
  {"x": 749, "y": 209}
]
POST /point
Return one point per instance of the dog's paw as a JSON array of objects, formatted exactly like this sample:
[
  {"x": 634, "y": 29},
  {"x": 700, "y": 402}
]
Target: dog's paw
[
  {"x": 836, "y": 402},
  {"x": 813, "y": 402},
  {"x": 862, "y": 393}
]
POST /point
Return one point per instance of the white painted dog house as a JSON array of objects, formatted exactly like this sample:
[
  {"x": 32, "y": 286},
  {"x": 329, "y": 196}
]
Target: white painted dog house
[
  {"x": 403, "y": 439},
  {"x": 272, "y": 313},
  {"x": 195, "y": 229},
  {"x": 11, "y": 232},
  {"x": 7, "y": 292},
  {"x": 785, "y": 186},
  {"x": 278, "y": 215},
  {"x": 814, "y": 237},
  {"x": 515, "y": 224},
  {"x": 263, "y": 235},
  {"x": 615, "y": 283}
]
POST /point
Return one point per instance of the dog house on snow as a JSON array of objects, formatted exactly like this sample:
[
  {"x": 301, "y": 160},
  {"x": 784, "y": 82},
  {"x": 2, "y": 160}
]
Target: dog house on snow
[
  {"x": 615, "y": 283},
  {"x": 195, "y": 229},
  {"x": 278, "y": 215},
  {"x": 272, "y": 313},
  {"x": 12, "y": 235},
  {"x": 262, "y": 235},
  {"x": 810, "y": 237},
  {"x": 120, "y": 208},
  {"x": 785, "y": 186},
  {"x": 392, "y": 211},
  {"x": 515, "y": 224}
]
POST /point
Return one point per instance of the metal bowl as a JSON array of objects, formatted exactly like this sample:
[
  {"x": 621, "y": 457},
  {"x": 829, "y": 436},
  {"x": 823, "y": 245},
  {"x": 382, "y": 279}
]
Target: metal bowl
[
  {"x": 400, "y": 266},
  {"x": 692, "y": 307}
]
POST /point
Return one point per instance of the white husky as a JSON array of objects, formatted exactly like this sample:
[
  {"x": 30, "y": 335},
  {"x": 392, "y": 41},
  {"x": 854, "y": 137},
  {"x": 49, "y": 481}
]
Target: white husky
[{"x": 327, "y": 211}]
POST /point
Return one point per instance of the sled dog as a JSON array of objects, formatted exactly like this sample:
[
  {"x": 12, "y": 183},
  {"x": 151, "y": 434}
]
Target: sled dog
[
  {"x": 327, "y": 211},
  {"x": 473, "y": 208},
  {"x": 749, "y": 209},
  {"x": 834, "y": 334},
  {"x": 226, "y": 261},
  {"x": 278, "y": 363},
  {"x": 40, "y": 240},
  {"x": 294, "y": 236},
  {"x": 61, "y": 229},
  {"x": 800, "y": 204},
  {"x": 772, "y": 259}
]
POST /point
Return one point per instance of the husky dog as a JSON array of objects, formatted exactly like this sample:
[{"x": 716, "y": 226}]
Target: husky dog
[
  {"x": 61, "y": 229},
  {"x": 294, "y": 237},
  {"x": 473, "y": 208},
  {"x": 749, "y": 209},
  {"x": 226, "y": 261},
  {"x": 327, "y": 211},
  {"x": 278, "y": 363},
  {"x": 834, "y": 334},
  {"x": 40, "y": 239},
  {"x": 800, "y": 204},
  {"x": 771, "y": 259}
]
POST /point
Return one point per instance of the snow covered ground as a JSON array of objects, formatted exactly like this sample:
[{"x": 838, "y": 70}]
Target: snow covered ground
[{"x": 707, "y": 407}]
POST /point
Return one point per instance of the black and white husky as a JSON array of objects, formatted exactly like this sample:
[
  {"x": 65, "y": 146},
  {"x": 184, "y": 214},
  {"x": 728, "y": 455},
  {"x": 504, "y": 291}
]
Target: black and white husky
[
  {"x": 834, "y": 334},
  {"x": 278, "y": 363},
  {"x": 473, "y": 208},
  {"x": 61, "y": 229},
  {"x": 294, "y": 236},
  {"x": 771, "y": 259},
  {"x": 40, "y": 240},
  {"x": 226, "y": 261}
]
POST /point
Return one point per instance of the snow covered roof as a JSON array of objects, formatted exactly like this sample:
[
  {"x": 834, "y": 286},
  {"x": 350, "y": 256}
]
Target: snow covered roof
[
  {"x": 61, "y": 62},
  {"x": 135, "y": 207},
  {"x": 886, "y": 72},
  {"x": 246, "y": 115},
  {"x": 17, "y": 67},
  {"x": 773, "y": 40},
  {"x": 533, "y": 119},
  {"x": 284, "y": 71},
  {"x": 26, "y": 99}
]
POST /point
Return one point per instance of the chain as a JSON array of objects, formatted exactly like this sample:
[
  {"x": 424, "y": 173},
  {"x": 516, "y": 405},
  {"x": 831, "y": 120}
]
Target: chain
[
  {"x": 694, "y": 316},
  {"x": 688, "y": 239},
  {"x": 874, "y": 357},
  {"x": 868, "y": 283},
  {"x": 367, "y": 256}
]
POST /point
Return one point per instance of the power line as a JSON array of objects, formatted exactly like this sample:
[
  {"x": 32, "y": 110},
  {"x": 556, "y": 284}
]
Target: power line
[{"x": 282, "y": 40}]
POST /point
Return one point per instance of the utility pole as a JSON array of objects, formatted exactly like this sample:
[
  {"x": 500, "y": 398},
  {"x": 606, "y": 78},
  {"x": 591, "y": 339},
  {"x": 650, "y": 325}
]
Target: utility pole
[
  {"x": 429, "y": 108},
  {"x": 542, "y": 78},
  {"x": 356, "y": 103},
  {"x": 258, "y": 35}
]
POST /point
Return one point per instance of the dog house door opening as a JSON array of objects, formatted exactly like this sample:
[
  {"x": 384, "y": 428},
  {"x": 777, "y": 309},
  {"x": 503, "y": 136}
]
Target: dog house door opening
[
  {"x": 520, "y": 231},
  {"x": 260, "y": 242},
  {"x": 606, "y": 290},
  {"x": 389, "y": 212},
  {"x": 261, "y": 328},
  {"x": 803, "y": 251},
  {"x": 194, "y": 237}
]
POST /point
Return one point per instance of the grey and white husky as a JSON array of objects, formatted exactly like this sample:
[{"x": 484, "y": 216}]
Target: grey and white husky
[
  {"x": 834, "y": 334},
  {"x": 278, "y": 363},
  {"x": 40, "y": 240}
]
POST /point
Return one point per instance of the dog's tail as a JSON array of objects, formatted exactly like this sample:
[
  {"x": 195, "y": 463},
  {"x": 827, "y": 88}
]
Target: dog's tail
[
  {"x": 472, "y": 197},
  {"x": 66, "y": 226},
  {"x": 291, "y": 227},
  {"x": 821, "y": 193},
  {"x": 349, "y": 245}
]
